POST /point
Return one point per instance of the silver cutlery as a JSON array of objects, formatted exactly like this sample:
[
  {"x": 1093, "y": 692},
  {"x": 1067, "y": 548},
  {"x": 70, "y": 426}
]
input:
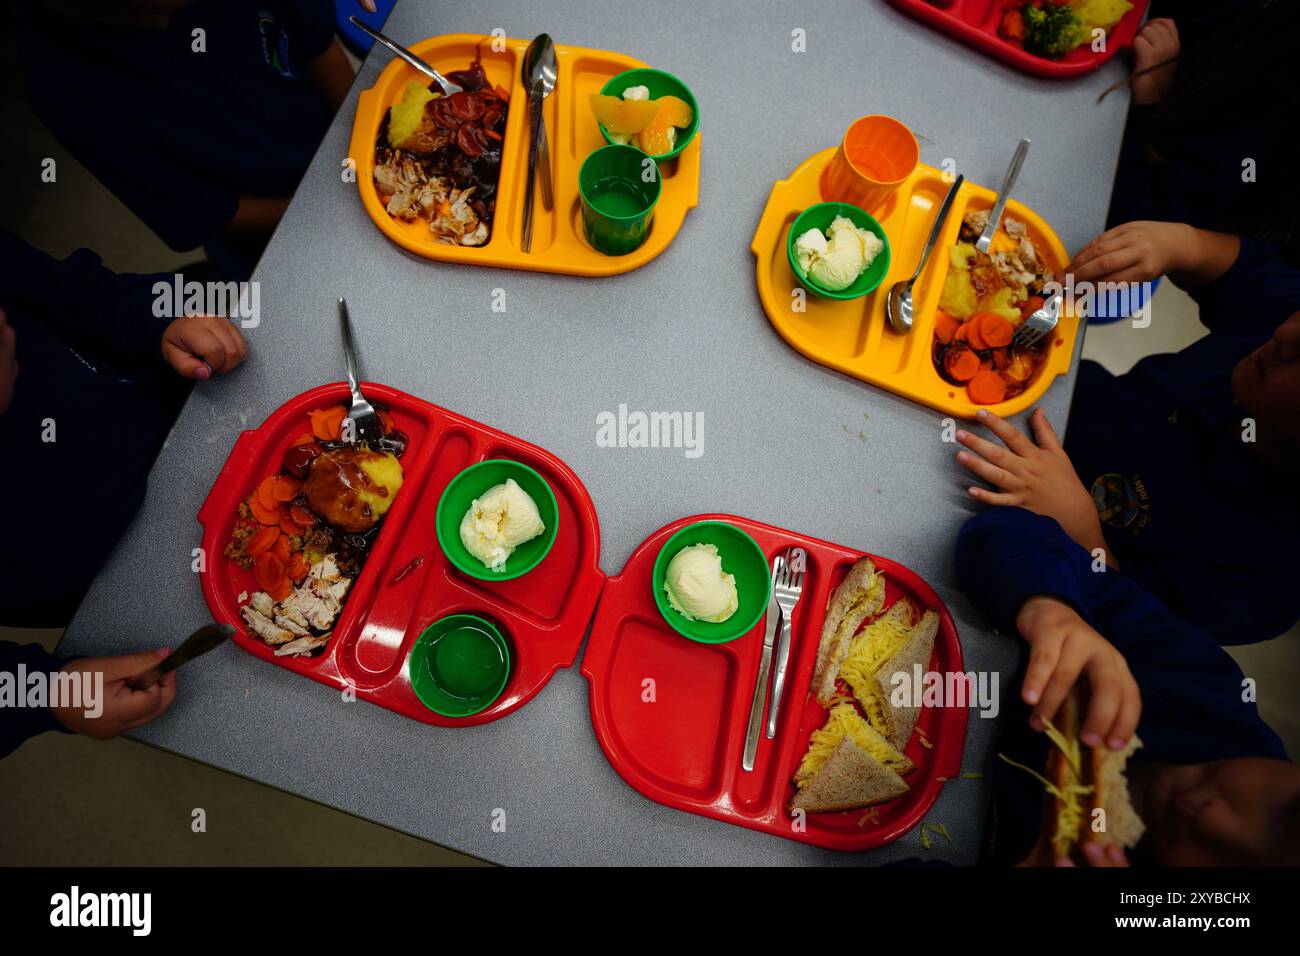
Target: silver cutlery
[
  {"x": 448, "y": 87},
  {"x": 899, "y": 304},
  {"x": 200, "y": 642},
  {"x": 1040, "y": 323},
  {"x": 366, "y": 426},
  {"x": 770, "y": 628},
  {"x": 786, "y": 589},
  {"x": 985, "y": 241},
  {"x": 540, "y": 71}
]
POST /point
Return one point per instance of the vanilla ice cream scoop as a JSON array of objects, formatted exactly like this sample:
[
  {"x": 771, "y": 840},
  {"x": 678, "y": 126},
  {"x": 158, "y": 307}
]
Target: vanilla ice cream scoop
[
  {"x": 835, "y": 261},
  {"x": 698, "y": 588},
  {"x": 498, "y": 522}
]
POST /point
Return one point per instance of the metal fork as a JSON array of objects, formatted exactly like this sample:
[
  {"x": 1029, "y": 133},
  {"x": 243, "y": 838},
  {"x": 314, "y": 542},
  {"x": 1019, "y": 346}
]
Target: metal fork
[
  {"x": 1041, "y": 323},
  {"x": 366, "y": 426},
  {"x": 786, "y": 589}
]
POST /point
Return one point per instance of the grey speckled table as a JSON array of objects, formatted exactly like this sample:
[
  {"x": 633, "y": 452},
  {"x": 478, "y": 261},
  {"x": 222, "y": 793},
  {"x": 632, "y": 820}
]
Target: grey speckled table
[{"x": 684, "y": 333}]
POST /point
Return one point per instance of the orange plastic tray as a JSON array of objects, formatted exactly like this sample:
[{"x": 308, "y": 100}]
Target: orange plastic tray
[
  {"x": 558, "y": 241},
  {"x": 854, "y": 336}
]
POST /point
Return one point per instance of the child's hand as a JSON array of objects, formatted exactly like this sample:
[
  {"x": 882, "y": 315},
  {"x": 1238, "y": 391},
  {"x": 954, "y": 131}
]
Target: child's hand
[
  {"x": 1136, "y": 252},
  {"x": 8, "y": 362},
  {"x": 198, "y": 346},
  {"x": 1063, "y": 646},
  {"x": 1038, "y": 477},
  {"x": 1155, "y": 43},
  {"x": 123, "y": 709}
]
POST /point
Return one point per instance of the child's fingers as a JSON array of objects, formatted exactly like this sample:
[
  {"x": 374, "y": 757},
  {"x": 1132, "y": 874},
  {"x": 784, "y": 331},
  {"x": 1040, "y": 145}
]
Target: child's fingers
[
  {"x": 131, "y": 708},
  {"x": 1108, "y": 264},
  {"x": 1130, "y": 712},
  {"x": 197, "y": 345},
  {"x": 125, "y": 666},
  {"x": 1043, "y": 655},
  {"x": 983, "y": 469},
  {"x": 1063, "y": 679},
  {"x": 1044, "y": 433},
  {"x": 1009, "y": 433},
  {"x": 983, "y": 447},
  {"x": 232, "y": 343},
  {"x": 997, "y": 498},
  {"x": 1103, "y": 706}
]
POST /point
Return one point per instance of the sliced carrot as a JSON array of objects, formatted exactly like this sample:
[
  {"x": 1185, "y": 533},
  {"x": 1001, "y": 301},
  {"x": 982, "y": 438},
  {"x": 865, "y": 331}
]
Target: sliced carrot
[
  {"x": 285, "y": 488},
  {"x": 263, "y": 514},
  {"x": 261, "y": 541},
  {"x": 1031, "y": 305},
  {"x": 267, "y": 569},
  {"x": 1001, "y": 358},
  {"x": 281, "y": 548},
  {"x": 945, "y": 327},
  {"x": 962, "y": 332},
  {"x": 334, "y": 421},
  {"x": 302, "y": 517},
  {"x": 383, "y": 415},
  {"x": 297, "y": 567},
  {"x": 280, "y": 589},
  {"x": 973, "y": 335},
  {"x": 306, "y": 438},
  {"x": 266, "y": 493},
  {"x": 995, "y": 330},
  {"x": 986, "y": 388},
  {"x": 289, "y": 526},
  {"x": 961, "y": 364}
]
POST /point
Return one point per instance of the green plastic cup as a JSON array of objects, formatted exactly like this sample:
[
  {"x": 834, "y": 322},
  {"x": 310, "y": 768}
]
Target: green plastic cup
[
  {"x": 619, "y": 187},
  {"x": 459, "y": 665},
  {"x": 820, "y": 217},
  {"x": 472, "y": 483},
  {"x": 741, "y": 557}
]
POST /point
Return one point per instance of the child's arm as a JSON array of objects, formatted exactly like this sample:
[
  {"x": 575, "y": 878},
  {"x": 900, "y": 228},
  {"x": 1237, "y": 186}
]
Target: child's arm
[
  {"x": 1196, "y": 705},
  {"x": 332, "y": 73}
]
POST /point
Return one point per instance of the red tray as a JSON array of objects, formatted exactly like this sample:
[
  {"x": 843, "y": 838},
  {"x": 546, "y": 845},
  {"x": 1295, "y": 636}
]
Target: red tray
[
  {"x": 975, "y": 22},
  {"x": 684, "y": 749},
  {"x": 544, "y": 613}
]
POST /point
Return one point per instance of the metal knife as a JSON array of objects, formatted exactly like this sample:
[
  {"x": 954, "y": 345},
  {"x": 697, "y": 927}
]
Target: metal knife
[
  {"x": 764, "y": 668},
  {"x": 200, "y": 642}
]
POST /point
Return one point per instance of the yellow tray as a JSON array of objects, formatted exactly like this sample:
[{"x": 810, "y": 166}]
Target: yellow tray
[
  {"x": 854, "y": 336},
  {"x": 558, "y": 241}
]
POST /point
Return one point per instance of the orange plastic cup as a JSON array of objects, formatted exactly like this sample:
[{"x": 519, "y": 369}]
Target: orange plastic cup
[{"x": 877, "y": 154}]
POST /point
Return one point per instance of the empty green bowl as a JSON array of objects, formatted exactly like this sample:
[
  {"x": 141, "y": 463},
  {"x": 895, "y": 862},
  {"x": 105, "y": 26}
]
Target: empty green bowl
[
  {"x": 742, "y": 557},
  {"x": 659, "y": 84},
  {"x": 459, "y": 665},
  {"x": 820, "y": 217},
  {"x": 472, "y": 483}
]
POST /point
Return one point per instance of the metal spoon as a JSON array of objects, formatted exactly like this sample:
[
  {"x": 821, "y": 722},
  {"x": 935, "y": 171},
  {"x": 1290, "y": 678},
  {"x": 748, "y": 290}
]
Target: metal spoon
[
  {"x": 899, "y": 304},
  {"x": 200, "y": 642},
  {"x": 539, "y": 80},
  {"x": 448, "y": 87},
  {"x": 985, "y": 241}
]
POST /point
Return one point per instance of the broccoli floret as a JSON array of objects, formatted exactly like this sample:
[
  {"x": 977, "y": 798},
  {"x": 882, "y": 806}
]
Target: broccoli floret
[{"x": 1051, "y": 31}]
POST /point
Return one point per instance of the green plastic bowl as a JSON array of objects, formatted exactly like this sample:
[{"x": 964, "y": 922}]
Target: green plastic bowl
[
  {"x": 472, "y": 483},
  {"x": 659, "y": 84},
  {"x": 820, "y": 217},
  {"x": 459, "y": 665},
  {"x": 742, "y": 557}
]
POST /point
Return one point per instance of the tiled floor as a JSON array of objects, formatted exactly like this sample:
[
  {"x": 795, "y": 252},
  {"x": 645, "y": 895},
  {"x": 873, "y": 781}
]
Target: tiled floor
[{"x": 50, "y": 816}]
